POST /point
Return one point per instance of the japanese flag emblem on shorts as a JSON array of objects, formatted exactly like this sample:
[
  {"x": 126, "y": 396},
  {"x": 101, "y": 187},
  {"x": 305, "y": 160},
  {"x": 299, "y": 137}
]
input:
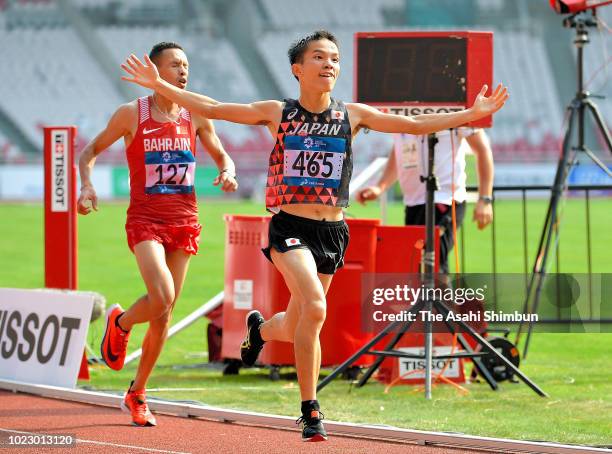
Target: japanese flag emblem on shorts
[{"x": 292, "y": 242}]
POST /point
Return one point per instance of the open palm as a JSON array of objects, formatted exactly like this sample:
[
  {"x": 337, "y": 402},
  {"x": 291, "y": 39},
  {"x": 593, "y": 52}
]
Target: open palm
[
  {"x": 484, "y": 106},
  {"x": 144, "y": 74}
]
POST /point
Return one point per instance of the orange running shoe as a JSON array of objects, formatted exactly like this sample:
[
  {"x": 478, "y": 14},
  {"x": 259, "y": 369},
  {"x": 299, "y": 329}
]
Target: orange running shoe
[
  {"x": 115, "y": 340},
  {"x": 135, "y": 403}
]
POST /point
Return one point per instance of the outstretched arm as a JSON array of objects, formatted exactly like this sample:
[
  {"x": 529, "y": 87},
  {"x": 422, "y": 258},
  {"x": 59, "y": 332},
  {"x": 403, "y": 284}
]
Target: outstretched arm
[
  {"x": 146, "y": 75},
  {"x": 369, "y": 117}
]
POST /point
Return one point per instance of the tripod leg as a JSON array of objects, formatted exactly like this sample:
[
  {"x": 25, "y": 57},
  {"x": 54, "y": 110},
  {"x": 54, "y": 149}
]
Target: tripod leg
[
  {"x": 374, "y": 367},
  {"x": 527, "y": 309},
  {"x": 362, "y": 351},
  {"x": 478, "y": 364},
  {"x": 482, "y": 341},
  {"x": 537, "y": 266},
  {"x": 598, "y": 162},
  {"x": 518, "y": 372},
  {"x": 561, "y": 174},
  {"x": 466, "y": 346},
  {"x": 600, "y": 123},
  {"x": 535, "y": 272}
]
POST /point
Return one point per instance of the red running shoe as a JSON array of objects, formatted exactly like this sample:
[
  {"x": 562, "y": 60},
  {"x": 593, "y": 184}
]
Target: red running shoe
[
  {"x": 115, "y": 340},
  {"x": 135, "y": 403}
]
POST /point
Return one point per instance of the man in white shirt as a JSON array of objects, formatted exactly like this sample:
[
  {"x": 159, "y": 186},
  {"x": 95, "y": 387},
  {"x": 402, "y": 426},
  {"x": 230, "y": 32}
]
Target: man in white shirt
[{"x": 408, "y": 162}]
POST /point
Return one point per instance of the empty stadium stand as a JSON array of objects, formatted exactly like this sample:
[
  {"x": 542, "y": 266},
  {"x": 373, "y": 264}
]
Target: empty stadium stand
[{"x": 58, "y": 79}]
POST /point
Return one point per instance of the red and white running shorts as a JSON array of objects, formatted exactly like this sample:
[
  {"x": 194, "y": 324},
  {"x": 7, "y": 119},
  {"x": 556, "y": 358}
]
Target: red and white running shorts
[{"x": 172, "y": 237}]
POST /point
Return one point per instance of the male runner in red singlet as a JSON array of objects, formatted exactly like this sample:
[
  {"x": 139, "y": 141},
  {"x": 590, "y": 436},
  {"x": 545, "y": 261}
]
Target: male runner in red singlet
[
  {"x": 162, "y": 219},
  {"x": 308, "y": 178}
]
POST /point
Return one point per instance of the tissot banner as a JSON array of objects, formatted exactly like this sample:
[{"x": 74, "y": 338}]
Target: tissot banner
[{"x": 42, "y": 335}]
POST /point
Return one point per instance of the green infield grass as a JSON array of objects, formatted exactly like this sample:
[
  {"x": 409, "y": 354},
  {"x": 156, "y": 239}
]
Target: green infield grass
[{"x": 574, "y": 369}]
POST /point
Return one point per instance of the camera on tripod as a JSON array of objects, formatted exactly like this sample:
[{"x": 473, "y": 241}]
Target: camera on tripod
[
  {"x": 578, "y": 109},
  {"x": 576, "y": 6}
]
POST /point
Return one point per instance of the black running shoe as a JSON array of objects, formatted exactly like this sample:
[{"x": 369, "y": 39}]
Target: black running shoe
[
  {"x": 312, "y": 427},
  {"x": 252, "y": 343}
]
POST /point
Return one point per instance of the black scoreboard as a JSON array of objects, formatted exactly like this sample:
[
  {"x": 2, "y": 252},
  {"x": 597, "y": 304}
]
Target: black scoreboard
[{"x": 421, "y": 72}]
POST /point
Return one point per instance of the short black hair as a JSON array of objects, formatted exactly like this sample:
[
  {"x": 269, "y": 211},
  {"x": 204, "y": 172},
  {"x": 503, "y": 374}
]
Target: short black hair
[
  {"x": 297, "y": 49},
  {"x": 160, "y": 47}
]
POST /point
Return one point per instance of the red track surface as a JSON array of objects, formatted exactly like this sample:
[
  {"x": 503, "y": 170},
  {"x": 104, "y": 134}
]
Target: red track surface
[{"x": 102, "y": 429}]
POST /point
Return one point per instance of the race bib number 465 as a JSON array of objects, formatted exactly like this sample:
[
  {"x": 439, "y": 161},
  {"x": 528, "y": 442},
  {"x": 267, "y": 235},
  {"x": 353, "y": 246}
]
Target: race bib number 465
[
  {"x": 313, "y": 161},
  {"x": 169, "y": 172}
]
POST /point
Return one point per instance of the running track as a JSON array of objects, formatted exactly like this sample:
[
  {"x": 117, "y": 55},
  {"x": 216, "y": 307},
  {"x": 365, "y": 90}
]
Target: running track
[{"x": 103, "y": 429}]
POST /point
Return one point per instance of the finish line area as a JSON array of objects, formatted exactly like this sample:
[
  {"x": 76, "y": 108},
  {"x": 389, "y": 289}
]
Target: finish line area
[
  {"x": 266, "y": 264},
  {"x": 91, "y": 418}
]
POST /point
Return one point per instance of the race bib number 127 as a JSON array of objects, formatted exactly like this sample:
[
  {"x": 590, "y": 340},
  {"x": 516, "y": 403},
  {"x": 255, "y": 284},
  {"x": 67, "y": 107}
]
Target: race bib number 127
[
  {"x": 169, "y": 172},
  {"x": 313, "y": 161}
]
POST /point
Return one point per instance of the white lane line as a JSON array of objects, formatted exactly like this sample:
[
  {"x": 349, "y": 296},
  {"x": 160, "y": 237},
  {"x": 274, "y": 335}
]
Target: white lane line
[
  {"x": 383, "y": 433},
  {"x": 94, "y": 442},
  {"x": 142, "y": 448},
  {"x": 207, "y": 388}
]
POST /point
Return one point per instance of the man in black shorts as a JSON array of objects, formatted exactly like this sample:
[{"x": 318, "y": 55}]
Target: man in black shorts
[{"x": 308, "y": 177}]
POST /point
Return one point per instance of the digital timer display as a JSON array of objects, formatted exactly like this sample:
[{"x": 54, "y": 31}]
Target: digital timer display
[
  {"x": 412, "y": 70},
  {"x": 423, "y": 71}
]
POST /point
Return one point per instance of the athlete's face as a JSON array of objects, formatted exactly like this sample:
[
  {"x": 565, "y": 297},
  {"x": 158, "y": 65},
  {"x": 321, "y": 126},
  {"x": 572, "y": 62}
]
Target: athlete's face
[
  {"x": 173, "y": 67},
  {"x": 320, "y": 66}
]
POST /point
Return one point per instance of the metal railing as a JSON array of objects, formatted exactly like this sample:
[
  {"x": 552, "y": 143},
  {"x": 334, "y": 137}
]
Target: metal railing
[
  {"x": 522, "y": 192},
  {"x": 527, "y": 261}
]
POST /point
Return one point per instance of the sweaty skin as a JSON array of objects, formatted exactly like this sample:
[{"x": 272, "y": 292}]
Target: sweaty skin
[
  {"x": 163, "y": 272},
  {"x": 317, "y": 72}
]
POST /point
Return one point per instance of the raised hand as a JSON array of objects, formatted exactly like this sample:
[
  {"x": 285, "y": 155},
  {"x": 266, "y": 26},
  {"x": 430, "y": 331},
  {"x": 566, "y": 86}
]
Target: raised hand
[
  {"x": 484, "y": 106},
  {"x": 144, "y": 74}
]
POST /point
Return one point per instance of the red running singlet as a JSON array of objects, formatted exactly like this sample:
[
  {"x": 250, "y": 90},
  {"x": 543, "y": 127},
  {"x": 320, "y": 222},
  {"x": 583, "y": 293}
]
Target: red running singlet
[{"x": 161, "y": 161}]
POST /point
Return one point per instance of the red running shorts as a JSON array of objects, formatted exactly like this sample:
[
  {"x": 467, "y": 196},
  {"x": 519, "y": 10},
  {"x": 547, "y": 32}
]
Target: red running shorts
[{"x": 172, "y": 237}]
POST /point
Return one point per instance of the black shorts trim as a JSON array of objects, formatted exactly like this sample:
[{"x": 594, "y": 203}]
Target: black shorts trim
[{"x": 326, "y": 240}]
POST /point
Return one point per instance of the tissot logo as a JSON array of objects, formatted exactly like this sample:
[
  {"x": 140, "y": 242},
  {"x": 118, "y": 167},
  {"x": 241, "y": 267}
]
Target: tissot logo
[
  {"x": 59, "y": 171},
  {"x": 42, "y": 335},
  {"x": 418, "y": 110},
  {"x": 26, "y": 335}
]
